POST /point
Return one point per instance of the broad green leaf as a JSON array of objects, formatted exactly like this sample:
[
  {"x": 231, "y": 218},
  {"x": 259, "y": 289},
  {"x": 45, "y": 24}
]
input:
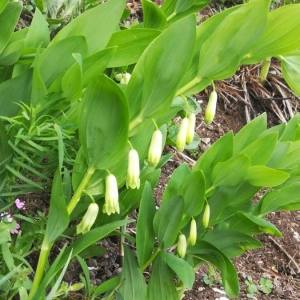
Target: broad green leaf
[
  {"x": 175, "y": 181},
  {"x": 290, "y": 65},
  {"x": 250, "y": 224},
  {"x": 13, "y": 91},
  {"x": 145, "y": 236},
  {"x": 8, "y": 20},
  {"x": 103, "y": 135},
  {"x": 232, "y": 171},
  {"x": 261, "y": 150},
  {"x": 96, "y": 25},
  {"x": 249, "y": 133},
  {"x": 11, "y": 53},
  {"x": 222, "y": 51},
  {"x": 166, "y": 222},
  {"x": 57, "y": 58},
  {"x": 153, "y": 16},
  {"x": 161, "y": 285},
  {"x": 95, "y": 64},
  {"x": 71, "y": 81},
  {"x": 38, "y": 33},
  {"x": 183, "y": 5},
  {"x": 220, "y": 151},
  {"x": 183, "y": 270},
  {"x": 130, "y": 45},
  {"x": 281, "y": 35},
  {"x": 192, "y": 189},
  {"x": 265, "y": 177},
  {"x": 209, "y": 253},
  {"x": 3, "y": 4},
  {"x": 290, "y": 129},
  {"x": 231, "y": 243},
  {"x": 5, "y": 228},
  {"x": 150, "y": 90},
  {"x": 286, "y": 198},
  {"x": 292, "y": 158},
  {"x": 58, "y": 218},
  {"x": 134, "y": 286},
  {"x": 278, "y": 155}
]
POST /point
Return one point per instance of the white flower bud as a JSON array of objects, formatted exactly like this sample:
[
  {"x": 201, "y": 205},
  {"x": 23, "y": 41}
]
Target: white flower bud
[
  {"x": 211, "y": 107},
  {"x": 88, "y": 219},
  {"x": 133, "y": 172},
  {"x": 111, "y": 204},
  {"x": 182, "y": 133},
  {"x": 181, "y": 246},
  {"x": 155, "y": 148},
  {"x": 191, "y": 129},
  {"x": 193, "y": 233},
  {"x": 206, "y": 216}
]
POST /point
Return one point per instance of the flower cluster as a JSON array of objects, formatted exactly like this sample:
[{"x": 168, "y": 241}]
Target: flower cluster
[{"x": 186, "y": 132}]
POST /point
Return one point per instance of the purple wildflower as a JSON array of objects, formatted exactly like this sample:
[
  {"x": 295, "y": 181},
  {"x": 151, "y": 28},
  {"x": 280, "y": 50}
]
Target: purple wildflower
[{"x": 20, "y": 204}]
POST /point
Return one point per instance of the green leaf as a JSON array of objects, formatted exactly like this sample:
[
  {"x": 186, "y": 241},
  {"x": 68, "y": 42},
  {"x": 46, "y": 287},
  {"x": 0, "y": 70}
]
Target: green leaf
[
  {"x": 11, "y": 53},
  {"x": 192, "y": 189},
  {"x": 280, "y": 36},
  {"x": 58, "y": 218},
  {"x": 107, "y": 285},
  {"x": 182, "y": 5},
  {"x": 166, "y": 222},
  {"x": 161, "y": 285},
  {"x": 175, "y": 181},
  {"x": 222, "y": 51},
  {"x": 38, "y": 33},
  {"x": 153, "y": 16},
  {"x": 57, "y": 58},
  {"x": 279, "y": 154},
  {"x": 232, "y": 171},
  {"x": 220, "y": 151},
  {"x": 265, "y": 177},
  {"x": 209, "y": 253},
  {"x": 292, "y": 158},
  {"x": 286, "y": 198},
  {"x": 5, "y": 151},
  {"x": 261, "y": 150},
  {"x": 231, "y": 243},
  {"x": 3, "y": 5},
  {"x": 249, "y": 133},
  {"x": 290, "y": 130},
  {"x": 150, "y": 90},
  {"x": 103, "y": 135},
  {"x": 145, "y": 235},
  {"x": 183, "y": 270},
  {"x": 250, "y": 224},
  {"x": 134, "y": 286},
  {"x": 130, "y": 45},
  {"x": 96, "y": 25},
  {"x": 8, "y": 20}
]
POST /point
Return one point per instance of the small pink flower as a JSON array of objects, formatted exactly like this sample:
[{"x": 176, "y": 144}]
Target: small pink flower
[
  {"x": 20, "y": 204},
  {"x": 9, "y": 218},
  {"x": 16, "y": 230}
]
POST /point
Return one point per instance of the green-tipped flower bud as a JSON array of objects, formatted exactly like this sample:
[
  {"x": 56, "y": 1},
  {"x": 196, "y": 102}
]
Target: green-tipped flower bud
[
  {"x": 191, "y": 129},
  {"x": 211, "y": 107},
  {"x": 206, "y": 216},
  {"x": 111, "y": 204},
  {"x": 123, "y": 78},
  {"x": 133, "y": 172},
  {"x": 88, "y": 219},
  {"x": 181, "y": 246},
  {"x": 193, "y": 233},
  {"x": 182, "y": 134},
  {"x": 155, "y": 148},
  {"x": 76, "y": 287}
]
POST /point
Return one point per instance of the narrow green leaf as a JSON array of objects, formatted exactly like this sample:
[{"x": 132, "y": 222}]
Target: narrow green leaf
[
  {"x": 106, "y": 286},
  {"x": 5, "y": 150},
  {"x": 134, "y": 286},
  {"x": 183, "y": 270},
  {"x": 153, "y": 16},
  {"x": 166, "y": 222},
  {"x": 145, "y": 236},
  {"x": 232, "y": 171},
  {"x": 104, "y": 138},
  {"x": 265, "y": 177},
  {"x": 290, "y": 130},
  {"x": 96, "y": 25},
  {"x": 3, "y": 5},
  {"x": 292, "y": 158},
  {"x": 86, "y": 272},
  {"x": 161, "y": 285},
  {"x": 278, "y": 155},
  {"x": 11, "y": 53}
]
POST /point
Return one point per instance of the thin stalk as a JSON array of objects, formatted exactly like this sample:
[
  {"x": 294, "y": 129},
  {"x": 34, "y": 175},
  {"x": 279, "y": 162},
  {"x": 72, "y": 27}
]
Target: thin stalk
[
  {"x": 264, "y": 71},
  {"x": 45, "y": 250},
  {"x": 189, "y": 85},
  {"x": 74, "y": 200},
  {"x": 172, "y": 15},
  {"x": 150, "y": 260},
  {"x": 135, "y": 122}
]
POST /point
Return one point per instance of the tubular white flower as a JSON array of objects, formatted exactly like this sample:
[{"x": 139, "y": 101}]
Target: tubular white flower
[
  {"x": 88, "y": 219},
  {"x": 193, "y": 233},
  {"x": 211, "y": 107},
  {"x": 133, "y": 172},
  {"x": 155, "y": 148},
  {"x": 191, "y": 129},
  {"x": 182, "y": 134},
  {"x": 111, "y": 204},
  {"x": 181, "y": 246}
]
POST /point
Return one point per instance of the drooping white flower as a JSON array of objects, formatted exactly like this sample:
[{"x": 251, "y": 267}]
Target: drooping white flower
[
  {"x": 133, "y": 171},
  {"x": 155, "y": 148},
  {"x": 111, "y": 204},
  {"x": 88, "y": 219},
  {"x": 182, "y": 134}
]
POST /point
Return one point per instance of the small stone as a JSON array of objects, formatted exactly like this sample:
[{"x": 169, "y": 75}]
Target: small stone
[
  {"x": 119, "y": 270},
  {"x": 103, "y": 263},
  {"x": 105, "y": 255},
  {"x": 108, "y": 273},
  {"x": 205, "y": 140}
]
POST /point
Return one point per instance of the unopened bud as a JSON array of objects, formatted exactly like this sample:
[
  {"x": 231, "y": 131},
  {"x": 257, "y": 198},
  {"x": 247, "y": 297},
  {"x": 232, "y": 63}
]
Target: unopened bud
[
  {"x": 133, "y": 172},
  {"x": 88, "y": 219},
  {"x": 193, "y": 233},
  {"x": 211, "y": 107},
  {"x": 182, "y": 134},
  {"x": 181, "y": 246},
  {"x": 76, "y": 287},
  {"x": 111, "y": 204},
  {"x": 155, "y": 148},
  {"x": 206, "y": 216},
  {"x": 123, "y": 78},
  {"x": 191, "y": 129}
]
